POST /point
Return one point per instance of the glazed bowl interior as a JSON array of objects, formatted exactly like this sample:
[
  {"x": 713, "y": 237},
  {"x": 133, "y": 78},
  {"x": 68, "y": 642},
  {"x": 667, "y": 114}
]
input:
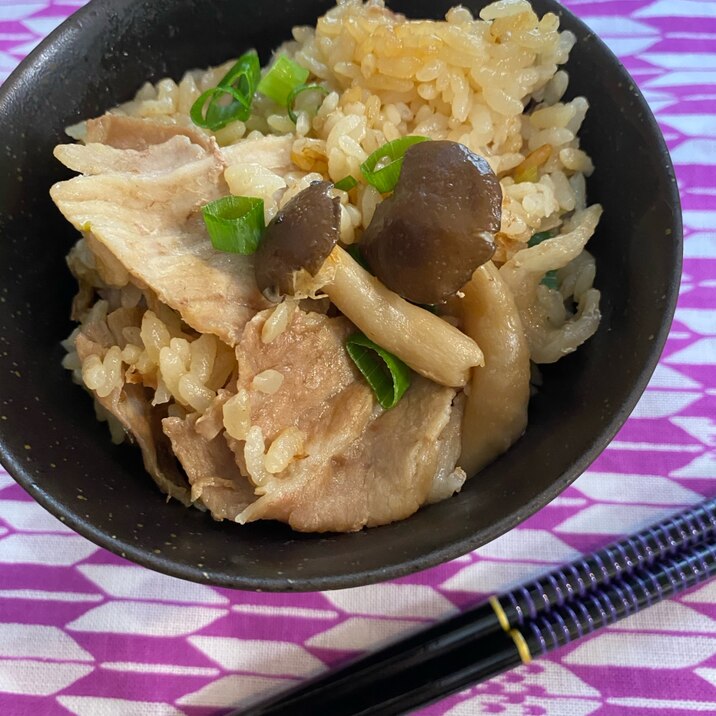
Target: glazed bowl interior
[{"x": 49, "y": 439}]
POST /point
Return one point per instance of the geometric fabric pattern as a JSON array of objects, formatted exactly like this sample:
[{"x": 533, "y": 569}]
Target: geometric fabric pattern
[{"x": 84, "y": 632}]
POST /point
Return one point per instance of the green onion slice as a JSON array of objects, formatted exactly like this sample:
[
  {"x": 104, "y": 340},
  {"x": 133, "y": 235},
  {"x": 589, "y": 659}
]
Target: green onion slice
[
  {"x": 293, "y": 94},
  {"x": 231, "y": 98},
  {"x": 235, "y": 223},
  {"x": 387, "y": 375},
  {"x": 347, "y": 183},
  {"x": 218, "y": 107},
  {"x": 550, "y": 280},
  {"x": 539, "y": 237},
  {"x": 281, "y": 79},
  {"x": 382, "y": 168}
]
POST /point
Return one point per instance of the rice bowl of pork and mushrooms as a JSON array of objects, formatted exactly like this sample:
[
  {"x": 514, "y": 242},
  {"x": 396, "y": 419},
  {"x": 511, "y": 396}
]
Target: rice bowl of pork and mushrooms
[{"x": 320, "y": 292}]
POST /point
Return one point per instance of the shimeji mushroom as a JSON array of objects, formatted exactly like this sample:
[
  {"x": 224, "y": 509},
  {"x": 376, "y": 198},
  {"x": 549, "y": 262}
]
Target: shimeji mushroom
[
  {"x": 302, "y": 242},
  {"x": 426, "y": 240}
]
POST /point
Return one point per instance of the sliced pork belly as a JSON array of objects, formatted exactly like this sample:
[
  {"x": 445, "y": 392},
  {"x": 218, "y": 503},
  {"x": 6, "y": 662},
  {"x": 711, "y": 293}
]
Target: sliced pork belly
[
  {"x": 215, "y": 479},
  {"x": 449, "y": 478},
  {"x": 149, "y": 219},
  {"x": 120, "y": 132},
  {"x": 310, "y": 355},
  {"x": 271, "y": 152},
  {"x": 123, "y": 132},
  {"x": 133, "y": 144},
  {"x": 106, "y": 159},
  {"x": 131, "y": 406},
  {"x": 359, "y": 465},
  {"x": 140, "y": 133},
  {"x": 384, "y": 475}
]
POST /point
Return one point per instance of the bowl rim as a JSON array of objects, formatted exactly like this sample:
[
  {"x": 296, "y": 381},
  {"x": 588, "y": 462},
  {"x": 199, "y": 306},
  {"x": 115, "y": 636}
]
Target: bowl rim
[{"x": 64, "y": 33}]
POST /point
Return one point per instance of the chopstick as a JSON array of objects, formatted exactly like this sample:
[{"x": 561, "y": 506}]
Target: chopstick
[
  {"x": 402, "y": 689},
  {"x": 674, "y": 534},
  {"x": 529, "y": 621}
]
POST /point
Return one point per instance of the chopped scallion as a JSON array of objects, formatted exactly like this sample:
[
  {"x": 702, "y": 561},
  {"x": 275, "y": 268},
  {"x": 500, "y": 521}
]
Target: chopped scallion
[
  {"x": 282, "y": 79},
  {"x": 550, "y": 280},
  {"x": 235, "y": 223},
  {"x": 300, "y": 90},
  {"x": 539, "y": 237},
  {"x": 347, "y": 183},
  {"x": 387, "y": 375},
  {"x": 217, "y": 107},
  {"x": 382, "y": 168},
  {"x": 231, "y": 98}
]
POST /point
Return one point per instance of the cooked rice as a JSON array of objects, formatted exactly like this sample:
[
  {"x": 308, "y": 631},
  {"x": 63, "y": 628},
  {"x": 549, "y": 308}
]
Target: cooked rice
[
  {"x": 268, "y": 381},
  {"x": 287, "y": 445},
  {"x": 465, "y": 79},
  {"x": 277, "y": 322}
]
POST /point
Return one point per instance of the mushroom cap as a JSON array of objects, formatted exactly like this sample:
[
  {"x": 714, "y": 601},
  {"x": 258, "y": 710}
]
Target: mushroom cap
[
  {"x": 300, "y": 236},
  {"x": 426, "y": 240}
]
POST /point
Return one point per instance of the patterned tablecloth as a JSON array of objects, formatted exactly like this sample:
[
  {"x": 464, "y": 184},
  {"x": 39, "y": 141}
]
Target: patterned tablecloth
[{"x": 85, "y": 632}]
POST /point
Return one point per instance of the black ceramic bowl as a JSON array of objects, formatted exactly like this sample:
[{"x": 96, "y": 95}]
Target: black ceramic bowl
[{"x": 98, "y": 58}]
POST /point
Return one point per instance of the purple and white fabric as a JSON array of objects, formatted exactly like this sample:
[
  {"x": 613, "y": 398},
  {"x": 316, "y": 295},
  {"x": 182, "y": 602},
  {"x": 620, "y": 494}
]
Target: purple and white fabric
[{"x": 84, "y": 632}]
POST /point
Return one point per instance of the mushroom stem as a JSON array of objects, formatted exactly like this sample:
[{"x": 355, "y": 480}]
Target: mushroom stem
[
  {"x": 496, "y": 408},
  {"x": 429, "y": 345}
]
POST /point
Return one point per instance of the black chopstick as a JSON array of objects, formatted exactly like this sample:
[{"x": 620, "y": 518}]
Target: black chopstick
[
  {"x": 451, "y": 655},
  {"x": 387, "y": 693},
  {"x": 668, "y": 537}
]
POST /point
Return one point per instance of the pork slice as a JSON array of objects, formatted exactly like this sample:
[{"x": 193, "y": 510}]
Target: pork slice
[
  {"x": 215, "y": 479},
  {"x": 399, "y": 453},
  {"x": 141, "y": 133},
  {"x": 151, "y": 223},
  {"x": 211, "y": 422},
  {"x": 449, "y": 478},
  {"x": 310, "y": 355},
  {"x": 383, "y": 475},
  {"x": 123, "y": 132},
  {"x": 96, "y": 330},
  {"x": 131, "y": 406},
  {"x": 87, "y": 279},
  {"x": 82, "y": 301},
  {"x": 361, "y": 465},
  {"x": 90, "y": 276},
  {"x": 271, "y": 152},
  {"x": 97, "y": 158}
]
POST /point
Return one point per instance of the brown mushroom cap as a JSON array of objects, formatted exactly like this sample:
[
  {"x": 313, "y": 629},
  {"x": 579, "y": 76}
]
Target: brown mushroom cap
[
  {"x": 426, "y": 240},
  {"x": 299, "y": 237}
]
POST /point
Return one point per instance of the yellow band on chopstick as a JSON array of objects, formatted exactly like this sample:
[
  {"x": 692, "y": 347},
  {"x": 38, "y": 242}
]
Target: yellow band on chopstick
[
  {"x": 522, "y": 648},
  {"x": 499, "y": 612}
]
